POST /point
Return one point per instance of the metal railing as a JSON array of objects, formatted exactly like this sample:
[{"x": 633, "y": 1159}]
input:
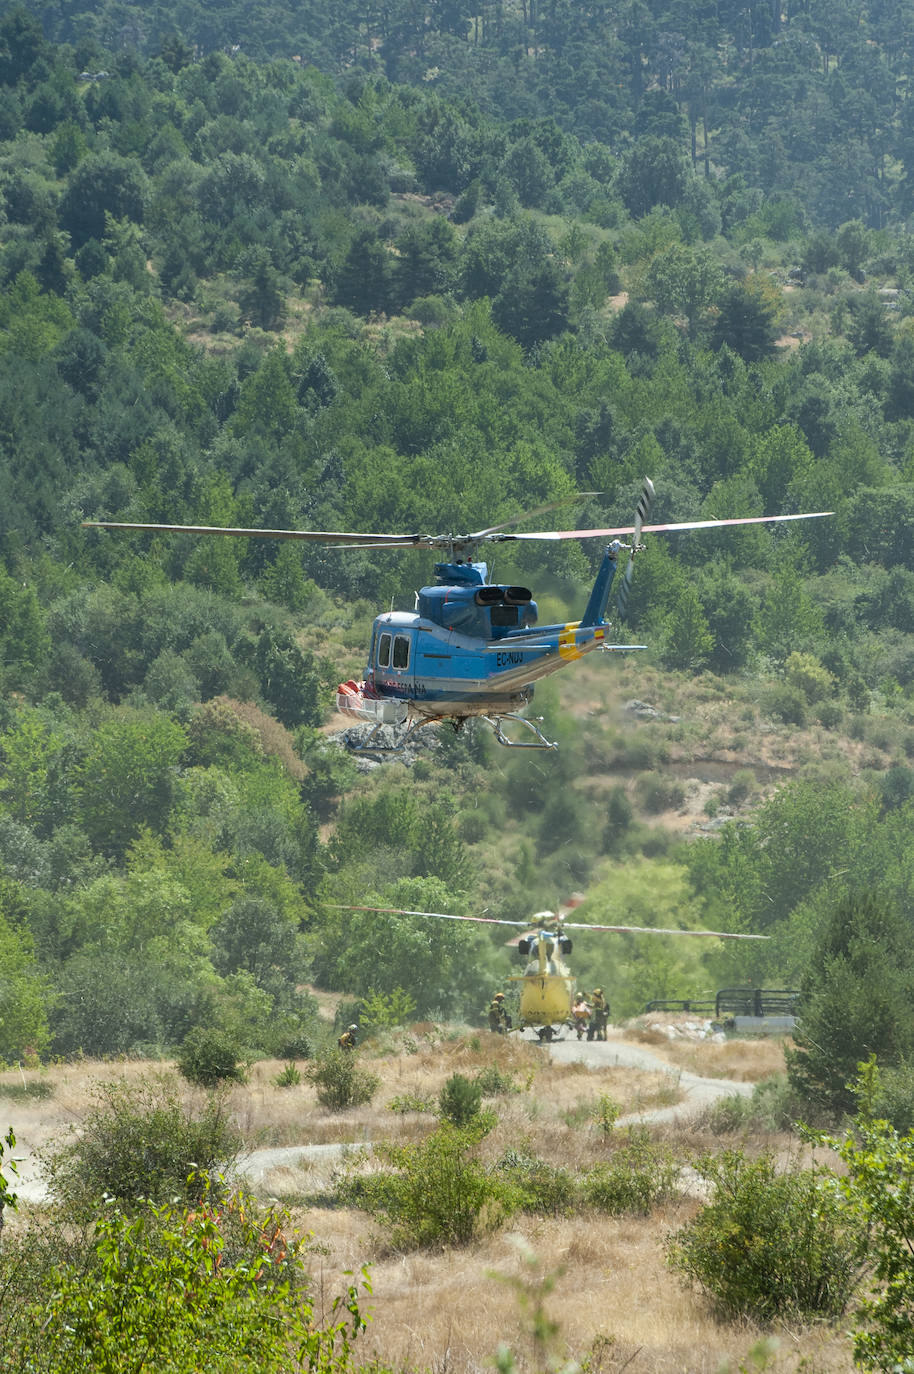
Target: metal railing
[
  {"x": 734, "y": 1002},
  {"x": 756, "y": 1002}
]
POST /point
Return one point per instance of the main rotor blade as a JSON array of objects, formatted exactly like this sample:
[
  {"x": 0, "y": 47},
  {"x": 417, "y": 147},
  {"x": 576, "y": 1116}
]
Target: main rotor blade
[
  {"x": 560, "y": 924},
  {"x": 439, "y": 915},
  {"x": 532, "y": 514},
  {"x": 343, "y": 538},
  {"x": 352, "y": 539},
  {"x": 657, "y": 930},
  {"x": 668, "y": 529}
]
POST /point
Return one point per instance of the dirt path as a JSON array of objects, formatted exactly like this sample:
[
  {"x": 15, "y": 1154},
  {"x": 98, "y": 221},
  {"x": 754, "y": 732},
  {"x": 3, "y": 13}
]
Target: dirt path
[
  {"x": 698, "y": 1092},
  {"x": 278, "y": 1170},
  {"x": 269, "y": 1170}
]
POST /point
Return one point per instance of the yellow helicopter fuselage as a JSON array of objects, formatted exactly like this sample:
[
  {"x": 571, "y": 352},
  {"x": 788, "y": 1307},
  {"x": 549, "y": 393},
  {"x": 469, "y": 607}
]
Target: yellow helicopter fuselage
[{"x": 547, "y": 987}]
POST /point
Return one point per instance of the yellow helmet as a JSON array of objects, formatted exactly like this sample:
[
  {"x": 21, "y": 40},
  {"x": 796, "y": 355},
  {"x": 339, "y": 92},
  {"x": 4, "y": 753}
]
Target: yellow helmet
[
  {"x": 499, "y": 997},
  {"x": 598, "y": 992}
]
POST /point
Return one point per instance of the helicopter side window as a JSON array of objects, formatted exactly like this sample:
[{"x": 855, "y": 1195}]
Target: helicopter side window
[
  {"x": 401, "y": 651},
  {"x": 384, "y": 652}
]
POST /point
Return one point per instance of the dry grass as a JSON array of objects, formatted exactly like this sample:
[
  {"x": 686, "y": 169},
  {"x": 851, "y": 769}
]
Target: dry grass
[
  {"x": 615, "y": 1302},
  {"x": 743, "y": 1060}
]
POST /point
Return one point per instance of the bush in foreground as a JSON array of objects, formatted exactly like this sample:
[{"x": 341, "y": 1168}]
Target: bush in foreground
[
  {"x": 439, "y": 1192},
  {"x": 636, "y": 1177},
  {"x": 341, "y": 1081},
  {"x": 220, "y": 1287},
  {"x": 210, "y": 1056},
  {"x": 878, "y": 1191},
  {"x": 139, "y": 1141},
  {"x": 770, "y": 1245},
  {"x": 436, "y": 1192},
  {"x": 460, "y": 1100}
]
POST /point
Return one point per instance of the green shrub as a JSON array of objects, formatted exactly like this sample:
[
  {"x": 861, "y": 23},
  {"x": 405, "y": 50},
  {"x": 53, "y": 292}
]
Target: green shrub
[
  {"x": 772, "y": 1106},
  {"x": 878, "y": 1190},
  {"x": 289, "y": 1077},
  {"x": 433, "y": 1193},
  {"x": 139, "y": 1140},
  {"x": 411, "y": 1102},
  {"x": 540, "y": 1187},
  {"x": 805, "y": 673},
  {"x": 7, "y": 1196},
  {"x": 775, "y": 1106},
  {"x": 770, "y": 1245},
  {"x": 893, "y": 1099},
  {"x": 605, "y": 1114},
  {"x": 157, "y": 1287},
  {"x": 460, "y": 1100},
  {"x": 340, "y": 1080},
  {"x": 830, "y": 714},
  {"x": 634, "y": 1180},
  {"x": 785, "y": 703},
  {"x": 742, "y": 786},
  {"x": 726, "y": 1115},
  {"x": 385, "y": 1010},
  {"x": 493, "y": 1083},
  {"x": 658, "y": 792},
  {"x": 210, "y": 1056},
  {"x": 295, "y": 1042}
]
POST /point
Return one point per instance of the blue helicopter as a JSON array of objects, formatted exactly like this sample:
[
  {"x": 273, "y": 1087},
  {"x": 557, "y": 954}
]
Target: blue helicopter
[{"x": 472, "y": 648}]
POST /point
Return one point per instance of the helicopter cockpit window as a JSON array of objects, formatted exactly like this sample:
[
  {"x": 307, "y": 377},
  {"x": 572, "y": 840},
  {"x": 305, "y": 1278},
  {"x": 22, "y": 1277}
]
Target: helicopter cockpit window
[
  {"x": 401, "y": 651},
  {"x": 384, "y": 652}
]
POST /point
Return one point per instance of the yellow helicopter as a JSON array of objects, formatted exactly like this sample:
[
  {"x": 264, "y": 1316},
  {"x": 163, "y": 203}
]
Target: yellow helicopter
[{"x": 547, "y": 984}]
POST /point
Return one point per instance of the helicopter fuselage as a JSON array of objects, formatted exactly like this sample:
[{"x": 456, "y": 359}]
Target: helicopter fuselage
[
  {"x": 471, "y": 648},
  {"x": 547, "y": 985},
  {"x": 442, "y": 672}
]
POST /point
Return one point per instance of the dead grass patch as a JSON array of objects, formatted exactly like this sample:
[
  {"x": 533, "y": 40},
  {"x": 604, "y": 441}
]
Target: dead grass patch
[
  {"x": 744, "y": 1060},
  {"x": 616, "y": 1303},
  {"x": 614, "y": 1300}
]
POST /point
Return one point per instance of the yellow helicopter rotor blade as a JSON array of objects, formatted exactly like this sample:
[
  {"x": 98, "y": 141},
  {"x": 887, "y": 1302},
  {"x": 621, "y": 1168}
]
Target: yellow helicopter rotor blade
[
  {"x": 438, "y": 915},
  {"x": 658, "y": 930}
]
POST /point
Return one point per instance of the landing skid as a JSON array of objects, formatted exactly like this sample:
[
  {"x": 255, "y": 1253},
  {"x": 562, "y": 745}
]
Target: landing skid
[
  {"x": 545, "y": 1035},
  {"x": 375, "y": 742},
  {"x": 540, "y": 742}
]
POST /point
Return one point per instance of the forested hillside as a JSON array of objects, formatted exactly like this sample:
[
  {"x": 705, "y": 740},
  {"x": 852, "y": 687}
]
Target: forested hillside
[{"x": 423, "y": 268}]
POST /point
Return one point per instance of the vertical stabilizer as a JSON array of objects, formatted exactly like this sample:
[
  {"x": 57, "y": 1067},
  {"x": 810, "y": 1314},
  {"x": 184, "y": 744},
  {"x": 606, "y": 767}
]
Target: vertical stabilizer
[{"x": 596, "y": 606}]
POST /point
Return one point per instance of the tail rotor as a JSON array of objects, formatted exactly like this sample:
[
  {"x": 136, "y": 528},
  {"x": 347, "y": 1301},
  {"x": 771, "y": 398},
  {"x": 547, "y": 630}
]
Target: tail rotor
[{"x": 641, "y": 514}]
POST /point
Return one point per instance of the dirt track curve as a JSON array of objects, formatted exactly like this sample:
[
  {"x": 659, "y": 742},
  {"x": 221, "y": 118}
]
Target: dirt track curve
[
  {"x": 260, "y": 1167},
  {"x": 263, "y": 1170},
  {"x": 697, "y": 1092}
]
